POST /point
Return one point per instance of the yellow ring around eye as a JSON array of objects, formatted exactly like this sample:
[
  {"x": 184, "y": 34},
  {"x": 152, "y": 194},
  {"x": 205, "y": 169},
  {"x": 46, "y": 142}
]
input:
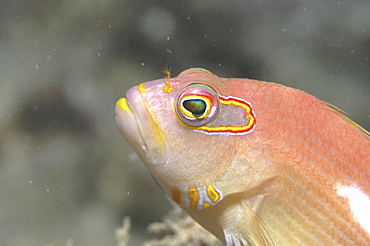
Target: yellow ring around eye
[{"x": 188, "y": 114}]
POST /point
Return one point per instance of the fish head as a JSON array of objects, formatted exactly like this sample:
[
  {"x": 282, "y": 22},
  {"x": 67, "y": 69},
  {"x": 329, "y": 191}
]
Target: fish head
[{"x": 182, "y": 127}]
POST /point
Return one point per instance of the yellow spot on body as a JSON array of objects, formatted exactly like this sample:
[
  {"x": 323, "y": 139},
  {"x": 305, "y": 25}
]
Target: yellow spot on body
[
  {"x": 206, "y": 205},
  {"x": 176, "y": 195},
  {"x": 212, "y": 194},
  {"x": 193, "y": 197},
  {"x": 122, "y": 104},
  {"x": 141, "y": 88}
]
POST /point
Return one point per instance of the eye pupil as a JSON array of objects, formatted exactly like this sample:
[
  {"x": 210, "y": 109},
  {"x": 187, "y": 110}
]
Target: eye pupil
[{"x": 196, "y": 106}]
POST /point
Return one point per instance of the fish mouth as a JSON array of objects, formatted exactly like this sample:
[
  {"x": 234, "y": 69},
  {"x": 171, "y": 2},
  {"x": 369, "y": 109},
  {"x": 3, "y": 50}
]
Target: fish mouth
[{"x": 139, "y": 128}]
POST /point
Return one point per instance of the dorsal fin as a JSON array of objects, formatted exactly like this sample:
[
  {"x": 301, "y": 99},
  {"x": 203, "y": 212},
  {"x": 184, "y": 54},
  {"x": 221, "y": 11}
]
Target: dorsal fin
[{"x": 343, "y": 115}]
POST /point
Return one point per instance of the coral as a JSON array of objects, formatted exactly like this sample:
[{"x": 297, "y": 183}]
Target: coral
[
  {"x": 123, "y": 232},
  {"x": 177, "y": 229}
]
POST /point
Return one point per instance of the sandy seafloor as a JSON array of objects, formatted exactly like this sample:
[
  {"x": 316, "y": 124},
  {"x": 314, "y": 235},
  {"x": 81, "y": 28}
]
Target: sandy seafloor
[{"x": 66, "y": 173}]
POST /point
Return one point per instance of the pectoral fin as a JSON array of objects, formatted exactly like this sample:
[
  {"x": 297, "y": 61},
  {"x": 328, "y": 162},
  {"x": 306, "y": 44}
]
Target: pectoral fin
[{"x": 244, "y": 227}]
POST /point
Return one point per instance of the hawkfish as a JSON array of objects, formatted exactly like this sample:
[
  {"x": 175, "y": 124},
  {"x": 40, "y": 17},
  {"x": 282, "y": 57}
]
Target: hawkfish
[{"x": 253, "y": 162}]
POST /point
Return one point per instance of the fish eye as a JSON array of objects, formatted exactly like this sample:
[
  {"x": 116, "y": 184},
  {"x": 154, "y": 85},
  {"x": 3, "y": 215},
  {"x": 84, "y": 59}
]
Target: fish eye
[{"x": 197, "y": 105}]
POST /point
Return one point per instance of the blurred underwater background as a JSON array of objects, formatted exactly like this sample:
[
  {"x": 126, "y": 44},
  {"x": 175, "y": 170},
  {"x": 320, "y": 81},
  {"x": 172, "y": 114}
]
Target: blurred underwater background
[{"x": 67, "y": 176}]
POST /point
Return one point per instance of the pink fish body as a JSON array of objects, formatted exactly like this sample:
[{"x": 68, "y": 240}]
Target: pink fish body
[{"x": 255, "y": 163}]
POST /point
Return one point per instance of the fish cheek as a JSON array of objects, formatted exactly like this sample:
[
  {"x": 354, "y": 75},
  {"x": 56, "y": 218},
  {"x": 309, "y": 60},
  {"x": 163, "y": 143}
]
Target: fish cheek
[{"x": 197, "y": 158}]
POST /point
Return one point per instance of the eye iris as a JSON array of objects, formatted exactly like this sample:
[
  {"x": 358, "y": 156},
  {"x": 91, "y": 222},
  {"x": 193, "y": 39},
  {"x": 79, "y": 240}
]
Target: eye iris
[{"x": 196, "y": 106}]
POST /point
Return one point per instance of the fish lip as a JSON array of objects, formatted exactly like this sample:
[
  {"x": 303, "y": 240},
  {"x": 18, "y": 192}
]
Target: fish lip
[
  {"x": 133, "y": 134},
  {"x": 140, "y": 130}
]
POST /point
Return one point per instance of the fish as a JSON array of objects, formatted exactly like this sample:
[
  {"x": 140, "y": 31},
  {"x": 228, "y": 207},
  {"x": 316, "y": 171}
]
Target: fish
[{"x": 253, "y": 162}]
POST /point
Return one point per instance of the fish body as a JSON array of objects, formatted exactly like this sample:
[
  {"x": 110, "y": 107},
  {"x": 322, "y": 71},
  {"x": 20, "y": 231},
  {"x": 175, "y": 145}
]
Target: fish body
[{"x": 255, "y": 163}]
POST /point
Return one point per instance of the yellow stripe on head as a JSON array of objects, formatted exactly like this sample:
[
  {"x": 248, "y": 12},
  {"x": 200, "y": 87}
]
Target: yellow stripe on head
[
  {"x": 122, "y": 104},
  {"x": 141, "y": 88}
]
